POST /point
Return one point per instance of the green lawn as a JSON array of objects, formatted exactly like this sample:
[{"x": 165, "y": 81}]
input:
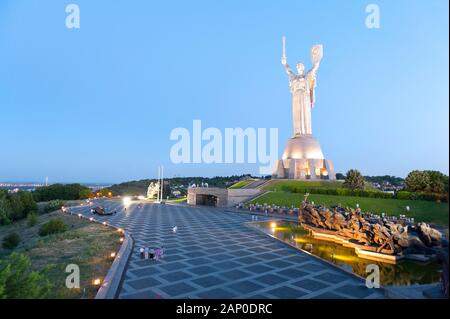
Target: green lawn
[
  {"x": 426, "y": 211},
  {"x": 242, "y": 183},
  {"x": 287, "y": 185}
]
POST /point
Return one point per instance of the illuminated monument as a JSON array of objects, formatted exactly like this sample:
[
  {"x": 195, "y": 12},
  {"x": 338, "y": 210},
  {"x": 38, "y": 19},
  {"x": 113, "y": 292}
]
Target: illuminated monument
[{"x": 303, "y": 157}]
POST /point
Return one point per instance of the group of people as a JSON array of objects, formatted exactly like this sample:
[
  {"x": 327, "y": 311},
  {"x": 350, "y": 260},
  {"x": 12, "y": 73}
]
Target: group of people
[{"x": 153, "y": 254}]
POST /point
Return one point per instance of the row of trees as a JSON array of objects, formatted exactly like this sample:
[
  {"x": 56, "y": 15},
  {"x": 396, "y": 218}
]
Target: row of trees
[
  {"x": 140, "y": 187},
  {"x": 16, "y": 206},
  {"x": 426, "y": 185},
  {"x": 62, "y": 192},
  {"x": 427, "y": 182}
]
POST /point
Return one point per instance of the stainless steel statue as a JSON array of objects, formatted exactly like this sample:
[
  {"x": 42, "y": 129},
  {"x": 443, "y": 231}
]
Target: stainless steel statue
[
  {"x": 302, "y": 86},
  {"x": 303, "y": 157}
]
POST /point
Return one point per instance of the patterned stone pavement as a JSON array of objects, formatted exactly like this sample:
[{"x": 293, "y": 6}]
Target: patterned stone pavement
[{"x": 215, "y": 255}]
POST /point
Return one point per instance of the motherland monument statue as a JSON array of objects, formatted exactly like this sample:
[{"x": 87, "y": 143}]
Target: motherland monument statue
[
  {"x": 303, "y": 157},
  {"x": 302, "y": 86}
]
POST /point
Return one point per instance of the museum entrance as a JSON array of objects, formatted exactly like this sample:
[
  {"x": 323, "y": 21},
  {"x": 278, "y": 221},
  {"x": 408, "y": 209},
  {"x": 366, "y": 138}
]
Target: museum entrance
[{"x": 206, "y": 200}]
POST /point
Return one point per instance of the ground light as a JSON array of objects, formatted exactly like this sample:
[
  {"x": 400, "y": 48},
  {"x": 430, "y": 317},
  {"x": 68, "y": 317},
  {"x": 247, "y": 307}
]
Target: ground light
[
  {"x": 113, "y": 255},
  {"x": 96, "y": 282}
]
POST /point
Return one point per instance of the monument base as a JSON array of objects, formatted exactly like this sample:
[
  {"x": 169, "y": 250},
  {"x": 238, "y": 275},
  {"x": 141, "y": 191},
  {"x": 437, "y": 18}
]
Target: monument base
[{"x": 303, "y": 159}]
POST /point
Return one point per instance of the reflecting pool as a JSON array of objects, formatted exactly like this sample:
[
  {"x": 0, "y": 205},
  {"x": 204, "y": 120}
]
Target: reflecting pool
[{"x": 404, "y": 273}]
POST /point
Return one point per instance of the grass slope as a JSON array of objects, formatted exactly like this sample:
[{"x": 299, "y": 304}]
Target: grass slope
[
  {"x": 426, "y": 211},
  {"x": 85, "y": 244}
]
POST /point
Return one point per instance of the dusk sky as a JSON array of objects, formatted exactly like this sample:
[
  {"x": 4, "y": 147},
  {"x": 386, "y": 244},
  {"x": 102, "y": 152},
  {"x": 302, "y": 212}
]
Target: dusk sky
[{"x": 97, "y": 104}]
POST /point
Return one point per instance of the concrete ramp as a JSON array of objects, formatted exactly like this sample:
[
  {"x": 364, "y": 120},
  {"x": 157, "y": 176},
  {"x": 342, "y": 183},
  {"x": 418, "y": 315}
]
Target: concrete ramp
[{"x": 255, "y": 184}]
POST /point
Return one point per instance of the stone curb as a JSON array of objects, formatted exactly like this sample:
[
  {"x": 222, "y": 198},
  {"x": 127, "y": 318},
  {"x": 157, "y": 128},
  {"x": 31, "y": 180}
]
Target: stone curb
[{"x": 111, "y": 284}]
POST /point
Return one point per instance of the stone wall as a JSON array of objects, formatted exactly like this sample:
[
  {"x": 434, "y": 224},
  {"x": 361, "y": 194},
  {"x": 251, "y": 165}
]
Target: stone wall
[{"x": 225, "y": 197}]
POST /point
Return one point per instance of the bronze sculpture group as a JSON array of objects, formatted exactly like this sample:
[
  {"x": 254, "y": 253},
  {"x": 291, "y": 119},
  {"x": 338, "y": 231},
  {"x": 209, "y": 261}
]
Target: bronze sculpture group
[{"x": 372, "y": 232}]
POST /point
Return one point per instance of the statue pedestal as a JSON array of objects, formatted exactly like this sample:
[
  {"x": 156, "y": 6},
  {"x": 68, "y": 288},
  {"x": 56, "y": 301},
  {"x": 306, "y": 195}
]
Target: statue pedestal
[{"x": 303, "y": 159}]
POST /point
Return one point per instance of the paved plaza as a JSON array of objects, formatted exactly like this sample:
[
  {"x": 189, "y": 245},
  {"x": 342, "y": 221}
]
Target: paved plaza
[{"x": 214, "y": 254}]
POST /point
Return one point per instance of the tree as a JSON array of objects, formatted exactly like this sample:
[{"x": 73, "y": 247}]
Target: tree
[
  {"x": 417, "y": 181},
  {"x": 5, "y": 208},
  {"x": 437, "y": 182},
  {"x": 166, "y": 189},
  {"x": 18, "y": 281},
  {"x": 427, "y": 182},
  {"x": 17, "y": 207},
  {"x": 340, "y": 176},
  {"x": 28, "y": 202},
  {"x": 85, "y": 194},
  {"x": 354, "y": 180}
]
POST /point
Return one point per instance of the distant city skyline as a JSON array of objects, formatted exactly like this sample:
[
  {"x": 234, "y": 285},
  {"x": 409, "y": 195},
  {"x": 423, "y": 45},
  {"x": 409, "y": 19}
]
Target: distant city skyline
[{"x": 97, "y": 104}]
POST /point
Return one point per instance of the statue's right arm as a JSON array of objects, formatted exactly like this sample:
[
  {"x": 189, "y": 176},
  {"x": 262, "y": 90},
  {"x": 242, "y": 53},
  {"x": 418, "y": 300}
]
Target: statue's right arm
[{"x": 289, "y": 71}]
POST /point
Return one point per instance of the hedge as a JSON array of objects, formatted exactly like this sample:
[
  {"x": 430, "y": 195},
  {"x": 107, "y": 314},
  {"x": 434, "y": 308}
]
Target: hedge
[{"x": 434, "y": 197}]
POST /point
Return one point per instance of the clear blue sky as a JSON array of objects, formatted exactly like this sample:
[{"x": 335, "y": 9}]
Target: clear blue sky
[{"x": 98, "y": 104}]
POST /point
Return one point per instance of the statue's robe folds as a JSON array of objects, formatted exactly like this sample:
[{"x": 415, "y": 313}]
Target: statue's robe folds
[{"x": 302, "y": 89}]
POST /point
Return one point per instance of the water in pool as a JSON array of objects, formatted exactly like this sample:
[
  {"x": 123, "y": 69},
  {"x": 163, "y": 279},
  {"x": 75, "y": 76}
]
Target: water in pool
[{"x": 404, "y": 273}]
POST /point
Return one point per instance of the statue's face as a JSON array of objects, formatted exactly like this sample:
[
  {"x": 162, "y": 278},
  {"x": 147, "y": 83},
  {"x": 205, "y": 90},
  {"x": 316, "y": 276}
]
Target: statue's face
[{"x": 300, "y": 68}]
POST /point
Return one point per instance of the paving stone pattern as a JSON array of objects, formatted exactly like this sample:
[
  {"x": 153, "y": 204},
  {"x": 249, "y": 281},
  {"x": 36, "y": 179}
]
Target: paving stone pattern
[{"x": 215, "y": 255}]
